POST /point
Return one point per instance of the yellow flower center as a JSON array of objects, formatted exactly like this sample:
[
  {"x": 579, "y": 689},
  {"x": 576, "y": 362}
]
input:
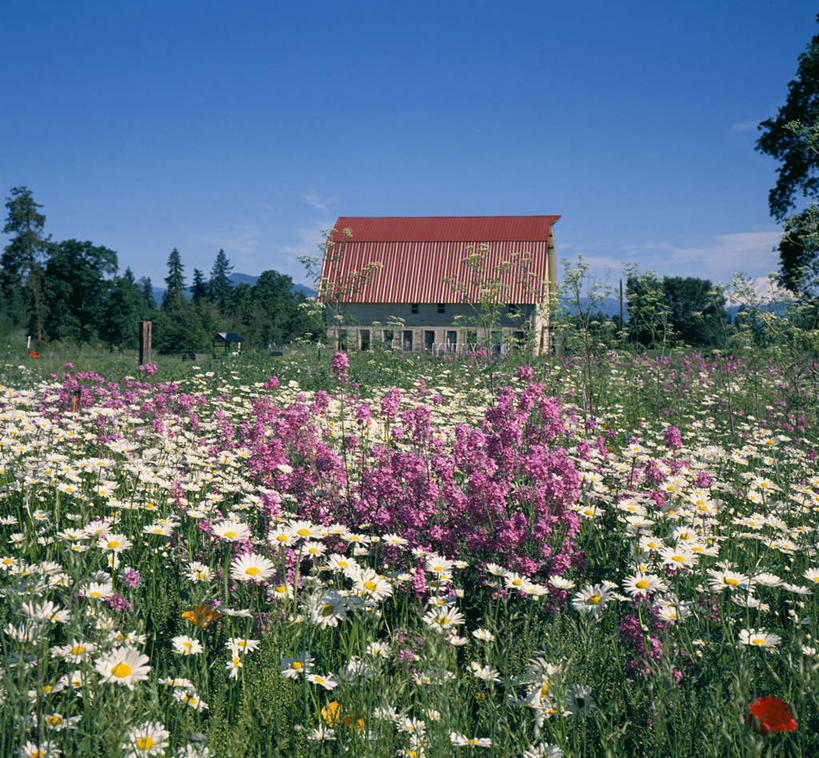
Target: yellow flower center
[
  {"x": 55, "y": 720},
  {"x": 327, "y": 610},
  {"x": 297, "y": 665},
  {"x": 252, "y": 570},
  {"x": 113, "y": 544},
  {"x": 643, "y": 583},
  {"x": 678, "y": 558},
  {"x": 303, "y": 532},
  {"x": 595, "y": 599},
  {"x": 145, "y": 743},
  {"x": 757, "y": 641},
  {"x": 731, "y": 582},
  {"x": 370, "y": 586},
  {"x": 281, "y": 589},
  {"x": 281, "y": 537},
  {"x": 443, "y": 620},
  {"x": 544, "y": 689},
  {"x": 121, "y": 670},
  {"x": 78, "y": 650},
  {"x": 230, "y": 535}
]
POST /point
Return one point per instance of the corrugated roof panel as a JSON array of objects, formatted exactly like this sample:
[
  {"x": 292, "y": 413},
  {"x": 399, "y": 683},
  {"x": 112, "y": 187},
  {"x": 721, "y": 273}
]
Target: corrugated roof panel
[{"x": 436, "y": 272}]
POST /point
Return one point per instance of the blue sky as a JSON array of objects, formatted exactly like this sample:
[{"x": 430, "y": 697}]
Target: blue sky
[{"x": 153, "y": 125}]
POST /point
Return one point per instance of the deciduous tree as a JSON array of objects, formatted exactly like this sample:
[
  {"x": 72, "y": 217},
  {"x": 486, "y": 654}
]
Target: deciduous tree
[
  {"x": 76, "y": 290},
  {"x": 792, "y": 137}
]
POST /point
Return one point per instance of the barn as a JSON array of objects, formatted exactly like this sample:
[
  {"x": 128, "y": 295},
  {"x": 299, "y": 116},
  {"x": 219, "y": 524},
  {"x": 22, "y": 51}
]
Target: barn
[{"x": 442, "y": 284}]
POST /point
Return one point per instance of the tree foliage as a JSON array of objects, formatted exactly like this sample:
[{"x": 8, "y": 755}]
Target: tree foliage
[
  {"x": 21, "y": 282},
  {"x": 219, "y": 285},
  {"x": 77, "y": 290},
  {"x": 792, "y": 137},
  {"x": 174, "y": 282},
  {"x": 696, "y": 310},
  {"x": 124, "y": 310},
  {"x": 674, "y": 309}
]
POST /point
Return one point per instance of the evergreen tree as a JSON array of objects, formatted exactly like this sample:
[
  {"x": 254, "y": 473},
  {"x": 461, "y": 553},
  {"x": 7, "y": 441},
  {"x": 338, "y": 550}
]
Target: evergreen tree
[
  {"x": 199, "y": 289},
  {"x": 220, "y": 286},
  {"x": 147, "y": 295},
  {"x": 174, "y": 281},
  {"x": 21, "y": 264}
]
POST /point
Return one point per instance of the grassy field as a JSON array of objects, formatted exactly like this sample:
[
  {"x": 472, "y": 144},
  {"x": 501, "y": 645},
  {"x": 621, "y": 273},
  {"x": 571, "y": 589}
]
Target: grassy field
[{"x": 387, "y": 555}]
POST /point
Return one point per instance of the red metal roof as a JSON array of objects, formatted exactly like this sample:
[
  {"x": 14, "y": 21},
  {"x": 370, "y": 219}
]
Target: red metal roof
[
  {"x": 427, "y": 259},
  {"x": 444, "y": 228}
]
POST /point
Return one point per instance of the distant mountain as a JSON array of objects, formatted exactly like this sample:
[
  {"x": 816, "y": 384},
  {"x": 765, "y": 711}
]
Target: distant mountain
[
  {"x": 304, "y": 289},
  {"x": 236, "y": 279},
  {"x": 610, "y": 306}
]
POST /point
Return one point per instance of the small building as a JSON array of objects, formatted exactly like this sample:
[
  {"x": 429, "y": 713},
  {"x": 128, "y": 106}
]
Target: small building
[
  {"x": 231, "y": 341},
  {"x": 440, "y": 283}
]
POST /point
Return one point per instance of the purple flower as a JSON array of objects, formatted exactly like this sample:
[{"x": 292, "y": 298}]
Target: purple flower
[
  {"x": 341, "y": 367},
  {"x": 673, "y": 438},
  {"x": 131, "y": 578},
  {"x": 524, "y": 372}
]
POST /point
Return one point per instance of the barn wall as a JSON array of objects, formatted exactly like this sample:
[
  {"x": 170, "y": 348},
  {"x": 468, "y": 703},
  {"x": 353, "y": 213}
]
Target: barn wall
[{"x": 360, "y": 314}]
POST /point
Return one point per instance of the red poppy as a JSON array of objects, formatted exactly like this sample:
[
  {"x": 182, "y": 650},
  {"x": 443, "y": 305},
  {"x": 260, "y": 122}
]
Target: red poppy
[
  {"x": 772, "y": 715},
  {"x": 33, "y": 354}
]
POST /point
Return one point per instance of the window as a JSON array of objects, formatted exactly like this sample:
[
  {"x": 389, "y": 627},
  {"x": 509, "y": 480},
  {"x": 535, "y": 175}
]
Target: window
[
  {"x": 513, "y": 309},
  {"x": 429, "y": 339},
  {"x": 365, "y": 339},
  {"x": 388, "y": 338},
  {"x": 441, "y": 308},
  {"x": 414, "y": 307},
  {"x": 407, "y": 341}
]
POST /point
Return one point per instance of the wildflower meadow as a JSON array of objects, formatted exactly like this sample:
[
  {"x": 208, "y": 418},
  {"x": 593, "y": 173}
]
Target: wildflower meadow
[{"x": 390, "y": 555}]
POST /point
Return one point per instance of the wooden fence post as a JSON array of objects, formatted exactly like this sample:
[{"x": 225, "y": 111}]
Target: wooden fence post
[{"x": 145, "y": 343}]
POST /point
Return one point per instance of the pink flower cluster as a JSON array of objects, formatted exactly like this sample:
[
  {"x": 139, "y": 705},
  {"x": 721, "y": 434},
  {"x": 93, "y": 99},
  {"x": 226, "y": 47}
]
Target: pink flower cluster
[{"x": 499, "y": 490}]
